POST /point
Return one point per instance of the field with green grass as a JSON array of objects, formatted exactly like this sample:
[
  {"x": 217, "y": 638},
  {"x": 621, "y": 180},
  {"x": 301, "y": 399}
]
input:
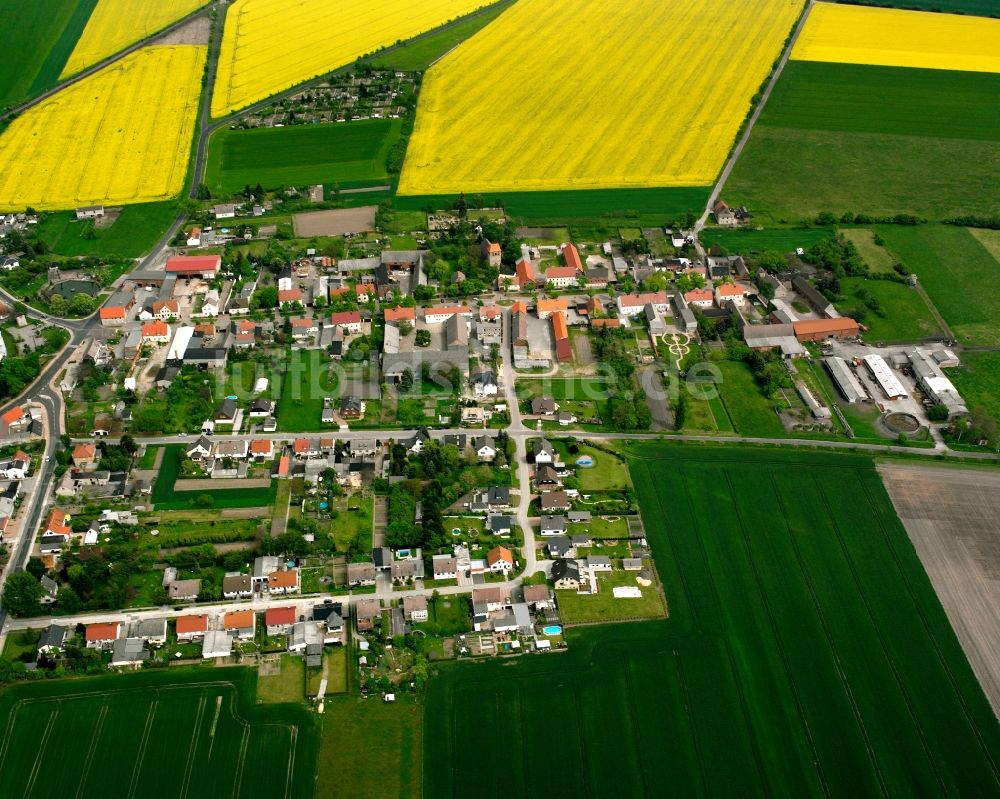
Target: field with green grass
[
  {"x": 607, "y": 474},
  {"x": 132, "y": 234},
  {"x": 307, "y": 380},
  {"x": 805, "y": 655},
  {"x": 906, "y": 316},
  {"x": 746, "y": 241},
  {"x": 346, "y": 153},
  {"x": 978, "y": 381},
  {"x": 752, "y": 413},
  {"x": 882, "y": 140},
  {"x": 418, "y": 54},
  {"x": 168, "y": 495},
  {"x": 604, "y": 209},
  {"x": 288, "y": 685},
  {"x": 370, "y": 749},
  {"x": 603, "y": 606},
  {"x": 958, "y": 273},
  {"x": 194, "y": 733},
  {"x": 38, "y": 38},
  {"x": 563, "y": 388}
]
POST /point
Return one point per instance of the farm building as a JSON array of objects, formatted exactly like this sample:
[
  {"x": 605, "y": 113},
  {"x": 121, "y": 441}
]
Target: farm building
[
  {"x": 884, "y": 376},
  {"x": 847, "y": 383},
  {"x": 192, "y": 266},
  {"x": 933, "y": 382},
  {"x": 564, "y": 352},
  {"x": 819, "y": 329}
]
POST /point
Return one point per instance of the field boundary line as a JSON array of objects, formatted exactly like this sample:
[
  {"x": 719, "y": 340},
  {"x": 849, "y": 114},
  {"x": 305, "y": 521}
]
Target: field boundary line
[
  {"x": 240, "y": 762},
  {"x": 293, "y": 735},
  {"x": 737, "y": 679},
  {"x": 42, "y": 744},
  {"x": 215, "y": 721},
  {"x": 141, "y": 754},
  {"x": 9, "y": 732},
  {"x": 636, "y": 733},
  {"x": 848, "y": 558},
  {"x": 98, "y": 729},
  {"x": 193, "y": 747},
  {"x": 782, "y": 651},
  {"x": 829, "y": 638},
  {"x": 933, "y": 638}
]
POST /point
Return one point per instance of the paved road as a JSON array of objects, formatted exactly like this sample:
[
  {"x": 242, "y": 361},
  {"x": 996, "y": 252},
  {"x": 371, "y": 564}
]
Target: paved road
[{"x": 738, "y": 150}]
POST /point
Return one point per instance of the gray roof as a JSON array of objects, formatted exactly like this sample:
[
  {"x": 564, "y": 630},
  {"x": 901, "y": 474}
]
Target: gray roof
[{"x": 128, "y": 650}]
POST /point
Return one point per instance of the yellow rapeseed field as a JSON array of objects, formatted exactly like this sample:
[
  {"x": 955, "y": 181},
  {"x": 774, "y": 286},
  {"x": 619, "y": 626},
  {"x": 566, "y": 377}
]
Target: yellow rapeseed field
[
  {"x": 115, "y": 24},
  {"x": 889, "y": 37},
  {"x": 122, "y": 135},
  {"x": 581, "y": 94},
  {"x": 271, "y": 45}
]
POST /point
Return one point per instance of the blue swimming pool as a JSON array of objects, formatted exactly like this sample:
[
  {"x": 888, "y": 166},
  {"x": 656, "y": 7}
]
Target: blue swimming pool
[
  {"x": 456, "y": 531},
  {"x": 324, "y": 505},
  {"x": 552, "y": 629},
  {"x": 403, "y": 553},
  {"x": 585, "y": 460}
]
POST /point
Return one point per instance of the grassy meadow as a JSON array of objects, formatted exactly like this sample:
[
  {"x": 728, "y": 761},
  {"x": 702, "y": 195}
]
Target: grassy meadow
[
  {"x": 958, "y": 273},
  {"x": 38, "y": 38},
  {"x": 131, "y": 235},
  {"x": 194, "y": 733},
  {"x": 978, "y": 380},
  {"x": 805, "y": 654},
  {"x": 906, "y": 315},
  {"x": 343, "y": 153},
  {"x": 882, "y": 140}
]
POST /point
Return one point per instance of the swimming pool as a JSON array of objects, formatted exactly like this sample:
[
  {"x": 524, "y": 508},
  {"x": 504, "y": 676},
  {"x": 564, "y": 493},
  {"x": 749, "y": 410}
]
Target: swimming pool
[
  {"x": 403, "y": 553},
  {"x": 456, "y": 531},
  {"x": 324, "y": 505},
  {"x": 552, "y": 629},
  {"x": 585, "y": 461}
]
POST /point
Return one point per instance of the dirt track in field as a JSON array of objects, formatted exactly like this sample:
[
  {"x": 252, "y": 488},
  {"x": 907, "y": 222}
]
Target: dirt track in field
[{"x": 953, "y": 519}]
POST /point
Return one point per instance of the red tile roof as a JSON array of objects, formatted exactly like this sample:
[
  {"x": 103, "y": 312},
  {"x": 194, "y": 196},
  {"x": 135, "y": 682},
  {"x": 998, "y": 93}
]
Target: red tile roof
[
  {"x": 401, "y": 313},
  {"x": 157, "y": 329},
  {"x": 261, "y": 446},
  {"x": 102, "y": 632},
  {"x": 238, "y": 619},
  {"x": 276, "y": 616},
  {"x": 290, "y": 295},
  {"x": 499, "y": 553},
  {"x": 13, "y": 415},
  {"x": 192, "y": 264},
  {"x": 192, "y": 624},
  {"x": 113, "y": 312},
  {"x": 572, "y": 257},
  {"x": 286, "y": 579},
  {"x": 346, "y": 318}
]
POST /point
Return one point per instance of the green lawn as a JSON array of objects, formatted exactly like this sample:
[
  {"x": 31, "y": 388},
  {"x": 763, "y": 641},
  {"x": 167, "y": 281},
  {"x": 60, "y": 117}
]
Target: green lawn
[
  {"x": 978, "y": 380},
  {"x": 286, "y": 686},
  {"x": 906, "y": 316},
  {"x": 607, "y": 474},
  {"x": 177, "y": 732},
  {"x": 370, "y": 749},
  {"x": 349, "y": 153},
  {"x": 878, "y": 258},
  {"x": 882, "y": 140},
  {"x": 752, "y": 413},
  {"x": 571, "y": 388},
  {"x": 38, "y": 38},
  {"x": 805, "y": 655},
  {"x": 308, "y": 378},
  {"x": 353, "y": 528},
  {"x": 148, "y": 459},
  {"x": 131, "y": 235},
  {"x": 420, "y": 53},
  {"x": 599, "y": 527},
  {"x": 167, "y": 495},
  {"x": 603, "y": 606},
  {"x": 958, "y": 273},
  {"x": 748, "y": 240}
]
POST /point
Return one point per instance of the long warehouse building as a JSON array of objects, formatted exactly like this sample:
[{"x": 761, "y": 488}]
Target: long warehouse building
[
  {"x": 885, "y": 377},
  {"x": 845, "y": 380}
]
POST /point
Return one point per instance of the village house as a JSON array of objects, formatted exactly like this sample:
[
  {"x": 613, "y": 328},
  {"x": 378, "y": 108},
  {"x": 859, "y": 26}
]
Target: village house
[
  {"x": 500, "y": 560},
  {"x": 366, "y": 611},
  {"x": 415, "y": 608},
  {"x": 565, "y": 574},
  {"x": 279, "y": 621},
  {"x": 102, "y": 635},
  {"x": 191, "y": 628},
  {"x": 242, "y": 623}
]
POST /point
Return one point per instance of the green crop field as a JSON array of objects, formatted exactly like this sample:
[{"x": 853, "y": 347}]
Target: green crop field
[
  {"x": 418, "y": 54},
  {"x": 883, "y": 140},
  {"x": 131, "y": 235},
  {"x": 986, "y": 8},
  {"x": 958, "y": 273},
  {"x": 194, "y": 733},
  {"x": 569, "y": 388},
  {"x": 38, "y": 37},
  {"x": 604, "y": 209},
  {"x": 343, "y": 153},
  {"x": 805, "y": 655},
  {"x": 906, "y": 315}
]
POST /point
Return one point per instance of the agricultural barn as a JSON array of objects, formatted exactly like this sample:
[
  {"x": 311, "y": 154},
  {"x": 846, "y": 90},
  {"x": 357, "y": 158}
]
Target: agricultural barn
[
  {"x": 884, "y": 376},
  {"x": 564, "y": 352},
  {"x": 819, "y": 329},
  {"x": 191, "y": 266}
]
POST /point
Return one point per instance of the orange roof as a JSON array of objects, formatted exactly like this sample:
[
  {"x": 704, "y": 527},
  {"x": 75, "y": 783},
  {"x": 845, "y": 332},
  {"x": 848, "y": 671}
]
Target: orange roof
[
  {"x": 362, "y": 288},
  {"x": 289, "y": 295},
  {"x": 396, "y": 314},
  {"x": 840, "y": 325},
  {"x": 157, "y": 329},
  {"x": 246, "y": 326},
  {"x": 699, "y": 295},
  {"x": 239, "y": 619},
  {"x": 261, "y": 446},
  {"x": 170, "y": 305},
  {"x": 519, "y": 307},
  {"x": 301, "y": 445},
  {"x": 305, "y": 322},
  {"x": 283, "y": 466},
  {"x": 286, "y": 579},
  {"x": 547, "y": 306},
  {"x": 490, "y": 312},
  {"x": 192, "y": 624},
  {"x": 494, "y": 247},
  {"x": 113, "y": 312},
  {"x": 195, "y": 231},
  {"x": 13, "y": 415},
  {"x": 56, "y": 522},
  {"x": 559, "y": 328},
  {"x": 612, "y": 321},
  {"x": 276, "y": 616},
  {"x": 338, "y": 292},
  {"x": 499, "y": 553},
  {"x": 107, "y": 631},
  {"x": 560, "y": 271},
  {"x": 447, "y": 309},
  {"x": 572, "y": 256},
  {"x": 326, "y": 442},
  {"x": 187, "y": 264},
  {"x": 84, "y": 451},
  {"x": 21, "y": 455},
  {"x": 346, "y": 318},
  {"x": 731, "y": 290},
  {"x": 523, "y": 269}
]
